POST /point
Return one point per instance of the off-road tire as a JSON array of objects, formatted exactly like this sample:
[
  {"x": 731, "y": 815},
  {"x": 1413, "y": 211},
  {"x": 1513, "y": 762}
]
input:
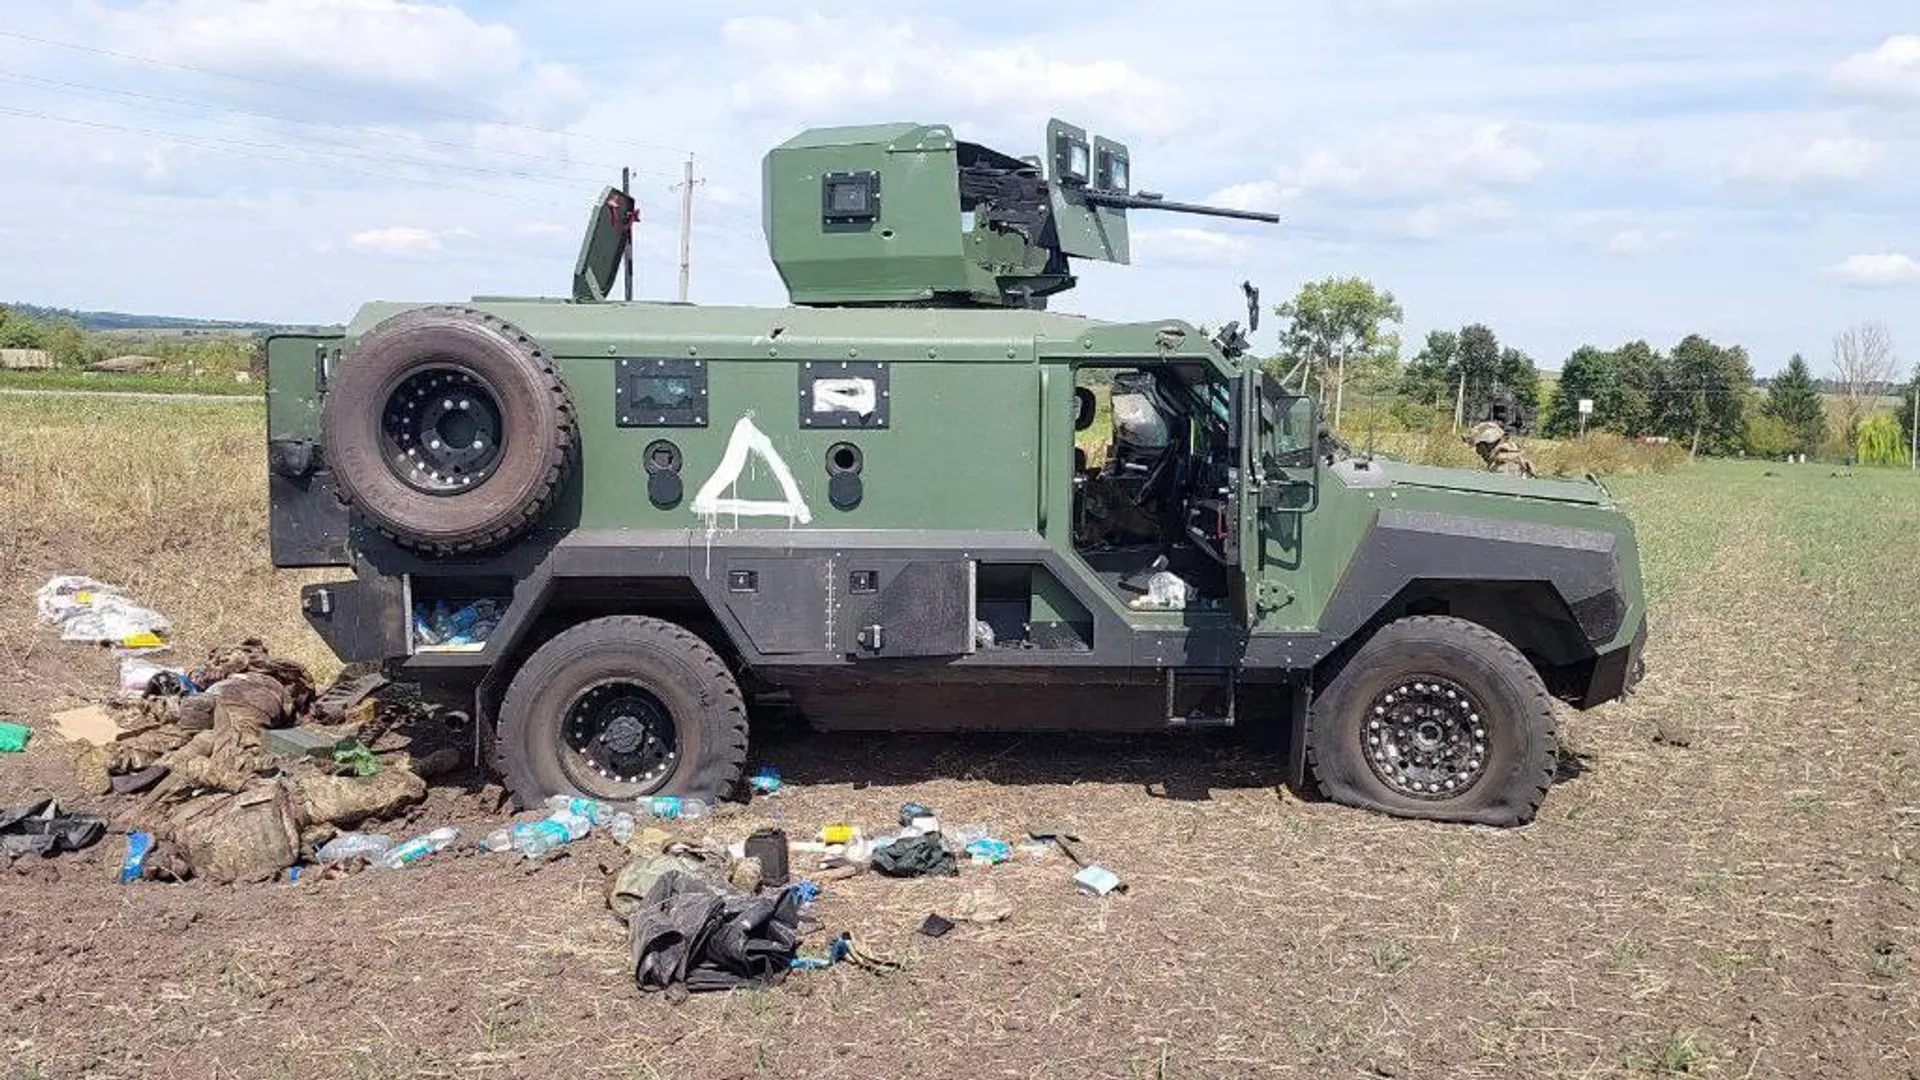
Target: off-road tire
[
  {"x": 669, "y": 661},
  {"x": 539, "y": 436},
  {"x": 1520, "y": 746}
]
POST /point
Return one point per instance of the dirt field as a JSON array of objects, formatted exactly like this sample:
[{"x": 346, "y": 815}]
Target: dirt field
[{"x": 1724, "y": 884}]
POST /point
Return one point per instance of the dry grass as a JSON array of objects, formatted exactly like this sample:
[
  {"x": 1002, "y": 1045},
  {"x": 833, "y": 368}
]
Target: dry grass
[
  {"x": 167, "y": 499},
  {"x": 1600, "y": 453}
]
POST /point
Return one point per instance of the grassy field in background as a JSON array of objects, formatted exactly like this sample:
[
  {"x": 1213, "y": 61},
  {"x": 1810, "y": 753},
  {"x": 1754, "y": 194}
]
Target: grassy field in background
[
  {"x": 1724, "y": 882},
  {"x": 127, "y": 382}
]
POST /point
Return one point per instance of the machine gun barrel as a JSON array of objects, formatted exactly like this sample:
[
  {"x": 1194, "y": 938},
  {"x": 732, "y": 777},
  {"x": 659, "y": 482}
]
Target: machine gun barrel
[{"x": 1122, "y": 201}]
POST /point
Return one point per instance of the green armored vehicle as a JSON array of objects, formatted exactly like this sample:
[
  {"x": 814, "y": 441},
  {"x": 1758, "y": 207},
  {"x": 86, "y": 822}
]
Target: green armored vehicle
[{"x": 918, "y": 499}]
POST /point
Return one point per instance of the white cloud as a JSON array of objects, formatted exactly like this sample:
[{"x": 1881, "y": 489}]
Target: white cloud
[
  {"x": 819, "y": 65},
  {"x": 1890, "y": 72},
  {"x": 397, "y": 240},
  {"x": 1636, "y": 241},
  {"x": 428, "y": 49},
  {"x": 541, "y": 228},
  {"x": 1187, "y": 246},
  {"x": 1433, "y": 156},
  {"x": 1617, "y": 232},
  {"x": 1431, "y": 221},
  {"x": 1877, "y": 271},
  {"x": 1788, "y": 162},
  {"x": 1269, "y": 196}
]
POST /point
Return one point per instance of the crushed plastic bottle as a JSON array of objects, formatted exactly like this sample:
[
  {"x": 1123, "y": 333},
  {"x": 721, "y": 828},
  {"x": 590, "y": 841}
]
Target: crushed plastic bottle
[
  {"x": 353, "y": 845},
  {"x": 674, "y": 808},
  {"x": 535, "y": 838},
  {"x": 593, "y": 810},
  {"x": 419, "y": 848}
]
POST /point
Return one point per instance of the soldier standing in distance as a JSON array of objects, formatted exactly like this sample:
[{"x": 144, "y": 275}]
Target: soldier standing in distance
[{"x": 1500, "y": 452}]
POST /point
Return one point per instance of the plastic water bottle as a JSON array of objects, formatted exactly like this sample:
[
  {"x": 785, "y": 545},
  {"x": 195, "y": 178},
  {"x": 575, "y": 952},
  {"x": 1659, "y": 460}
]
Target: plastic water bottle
[
  {"x": 353, "y": 845},
  {"x": 621, "y": 826},
  {"x": 593, "y": 810},
  {"x": 674, "y": 808},
  {"x": 419, "y": 848}
]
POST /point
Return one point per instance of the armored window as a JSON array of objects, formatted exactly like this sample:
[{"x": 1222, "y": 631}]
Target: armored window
[
  {"x": 847, "y": 198},
  {"x": 661, "y": 393},
  {"x": 1112, "y": 174},
  {"x": 1071, "y": 159}
]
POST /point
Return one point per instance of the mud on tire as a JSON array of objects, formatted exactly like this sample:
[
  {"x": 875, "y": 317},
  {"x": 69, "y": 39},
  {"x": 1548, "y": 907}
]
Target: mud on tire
[
  {"x": 584, "y": 715},
  {"x": 515, "y": 437},
  {"x": 1435, "y": 718}
]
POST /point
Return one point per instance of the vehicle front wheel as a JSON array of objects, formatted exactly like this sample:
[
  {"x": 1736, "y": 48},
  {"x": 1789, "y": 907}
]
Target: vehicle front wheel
[
  {"x": 619, "y": 708},
  {"x": 1436, "y": 718}
]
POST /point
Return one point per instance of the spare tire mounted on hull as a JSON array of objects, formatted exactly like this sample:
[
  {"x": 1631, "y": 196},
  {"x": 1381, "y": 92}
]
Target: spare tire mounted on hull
[{"x": 449, "y": 429}]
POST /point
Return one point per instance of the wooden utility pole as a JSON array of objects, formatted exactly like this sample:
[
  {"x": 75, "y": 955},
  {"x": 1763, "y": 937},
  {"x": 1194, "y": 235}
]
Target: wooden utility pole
[
  {"x": 686, "y": 228},
  {"x": 626, "y": 189},
  {"x": 1913, "y": 433},
  {"x": 1460, "y": 403}
]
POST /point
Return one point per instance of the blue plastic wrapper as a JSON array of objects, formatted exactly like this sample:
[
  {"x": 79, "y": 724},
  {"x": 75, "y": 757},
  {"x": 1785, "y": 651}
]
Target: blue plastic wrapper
[
  {"x": 135, "y": 860},
  {"x": 990, "y": 850},
  {"x": 765, "y": 780}
]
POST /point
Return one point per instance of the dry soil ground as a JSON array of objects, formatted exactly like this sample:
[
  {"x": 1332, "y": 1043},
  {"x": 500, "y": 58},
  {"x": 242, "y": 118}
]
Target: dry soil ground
[{"x": 1724, "y": 884}]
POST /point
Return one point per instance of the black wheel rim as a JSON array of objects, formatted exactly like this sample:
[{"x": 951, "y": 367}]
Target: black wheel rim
[
  {"x": 1426, "y": 737},
  {"x": 618, "y": 732},
  {"x": 441, "y": 430}
]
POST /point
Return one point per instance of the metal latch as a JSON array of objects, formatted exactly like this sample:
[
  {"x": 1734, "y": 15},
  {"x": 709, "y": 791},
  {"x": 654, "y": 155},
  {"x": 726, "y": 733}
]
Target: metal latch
[{"x": 871, "y": 638}]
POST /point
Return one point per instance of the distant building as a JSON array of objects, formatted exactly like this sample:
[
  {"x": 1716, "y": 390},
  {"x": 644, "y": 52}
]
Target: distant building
[{"x": 25, "y": 360}]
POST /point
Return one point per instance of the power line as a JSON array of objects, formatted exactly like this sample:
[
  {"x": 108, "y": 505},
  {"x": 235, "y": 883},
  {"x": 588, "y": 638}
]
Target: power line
[
  {"x": 282, "y": 118},
  {"x": 390, "y": 103},
  {"x": 253, "y": 153}
]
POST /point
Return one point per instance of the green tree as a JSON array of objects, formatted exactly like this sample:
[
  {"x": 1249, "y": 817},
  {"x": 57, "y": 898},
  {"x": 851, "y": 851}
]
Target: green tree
[
  {"x": 1876, "y": 441},
  {"x": 1589, "y": 373},
  {"x": 1769, "y": 436},
  {"x": 68, "y": 343},
  {"x": 1429, "y": 376},
  {"x": 1704, "y": 394},
  {"x": 1794, "y": 399},
  {"x": 1340, "y": 329},
  {"x": 21, "y": 332}
]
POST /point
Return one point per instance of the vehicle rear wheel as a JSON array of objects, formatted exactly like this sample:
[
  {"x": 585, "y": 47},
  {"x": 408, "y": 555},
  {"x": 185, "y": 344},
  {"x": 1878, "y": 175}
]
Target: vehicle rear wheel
[
  {"x": 1436, "y": 718},
  {"x": 449, "y": 429},
  {"x": 619, "y": 708}
]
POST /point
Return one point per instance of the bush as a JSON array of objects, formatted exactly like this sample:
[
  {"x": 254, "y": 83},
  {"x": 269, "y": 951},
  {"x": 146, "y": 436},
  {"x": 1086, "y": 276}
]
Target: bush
[
  {"x": 1605, "y": 454},
  {"x": 1769, "y": 436}
]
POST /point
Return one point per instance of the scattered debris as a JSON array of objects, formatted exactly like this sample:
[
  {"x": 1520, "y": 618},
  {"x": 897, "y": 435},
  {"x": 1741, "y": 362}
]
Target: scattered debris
[
  {"x": 1098, "y": 880},
  {"x": 90, "y": 724},
  {"x": 769, "y": 848},
  {"x": 983, "y": 904},
  {"x": 43, "y": 830},
  {"x": 353, "y": 845},
  {"x": 419, "y": 847},
  {"x": 914, "y": 856},
  {"x": 765, "y": 780},
  {"x": 13, "y": 737},
  {"x": 89, "y": 610},
  {"x": 301, "y": 742},
  {"x": 698, "y": 934},
  {"x": 935, "y": 926},
  {"x": 134, "y": 862}
]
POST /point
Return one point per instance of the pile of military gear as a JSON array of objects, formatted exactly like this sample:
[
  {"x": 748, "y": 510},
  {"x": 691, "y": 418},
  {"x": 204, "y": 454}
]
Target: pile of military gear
[{"x": 206, "y": 752}]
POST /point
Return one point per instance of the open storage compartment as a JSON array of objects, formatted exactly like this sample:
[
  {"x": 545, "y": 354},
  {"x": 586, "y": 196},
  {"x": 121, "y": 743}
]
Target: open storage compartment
[{"x": 447, "y": 615}]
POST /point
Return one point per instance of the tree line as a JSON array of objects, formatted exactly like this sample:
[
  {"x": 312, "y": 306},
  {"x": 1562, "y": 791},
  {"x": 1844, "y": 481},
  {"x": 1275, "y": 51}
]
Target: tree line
[{"x": 1340, "y": 340}]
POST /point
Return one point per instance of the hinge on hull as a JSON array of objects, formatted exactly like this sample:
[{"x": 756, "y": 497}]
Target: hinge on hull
[{"x": 1206, "y": 705}]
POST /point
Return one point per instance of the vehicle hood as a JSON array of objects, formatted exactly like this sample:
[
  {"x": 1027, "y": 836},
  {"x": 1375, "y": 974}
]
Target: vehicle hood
[{"x": 1586, "y": 492}]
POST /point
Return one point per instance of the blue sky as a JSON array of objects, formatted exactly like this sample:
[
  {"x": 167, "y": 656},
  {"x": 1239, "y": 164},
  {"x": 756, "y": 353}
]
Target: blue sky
[{"x": 1567, "y": 172}]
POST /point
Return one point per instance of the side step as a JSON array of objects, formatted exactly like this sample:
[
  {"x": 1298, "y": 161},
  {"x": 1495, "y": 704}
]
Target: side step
[{"x": 1200, "y": 698}]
